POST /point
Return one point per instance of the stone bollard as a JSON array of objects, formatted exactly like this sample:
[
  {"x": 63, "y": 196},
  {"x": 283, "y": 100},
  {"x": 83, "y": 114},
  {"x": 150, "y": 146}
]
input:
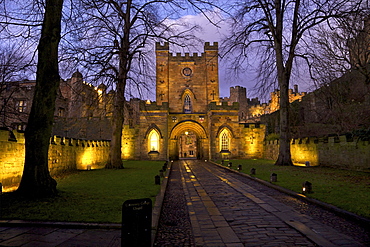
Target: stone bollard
[
  {"x": 239, "y": 167},
  {"x": 273, "y": 177},
  {"x": 253, "y": 171},
  {"x": 161, "y": 174},
  {"x": 157, "y": 180},
  {"x": 230, "y": 164},
  {"x": 306, "y": 187}
]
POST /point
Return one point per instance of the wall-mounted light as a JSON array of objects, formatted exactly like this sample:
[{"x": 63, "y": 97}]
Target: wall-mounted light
[
  {"x": 201, "y": 119},
  {"x": 174, "y": 119}
]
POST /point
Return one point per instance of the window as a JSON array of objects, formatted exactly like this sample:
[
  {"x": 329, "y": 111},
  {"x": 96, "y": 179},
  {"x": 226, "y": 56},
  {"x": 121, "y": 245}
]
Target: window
[
  {"x": 61, "y": 112},
  {"x": 224, "y": 140},
  {"x": 19, "y": 126},
  {"x": 21, "y": 105},
  {"x": 153, "y": 141},
  {"x": 187, "y": 104}
]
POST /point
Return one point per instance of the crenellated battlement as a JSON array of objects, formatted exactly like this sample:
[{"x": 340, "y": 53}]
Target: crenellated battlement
[
  {"x": 160, "y": 47},
  {"x": 336, "y": 151},
  {"x": 223, "y": 106},
  {"x": 209, "y": 47},
  {"x": 185, "y": 56},
  {"x": 153, "y": 106},
  {"x": 64, "y": 154},
  {"x": 256, "y": 109}
]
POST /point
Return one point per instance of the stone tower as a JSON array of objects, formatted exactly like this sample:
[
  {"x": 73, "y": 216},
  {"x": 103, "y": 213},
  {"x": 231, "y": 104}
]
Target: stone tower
[{"x": 188, "y": 83}]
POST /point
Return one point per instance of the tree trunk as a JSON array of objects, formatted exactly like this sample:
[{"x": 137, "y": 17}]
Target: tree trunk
[
  {"x": 284, "y": 158},
  {"x": 36, "y": 180},
  {"x": 115, "y": 159}
]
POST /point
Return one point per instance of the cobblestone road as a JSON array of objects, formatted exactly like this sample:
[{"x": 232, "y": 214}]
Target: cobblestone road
[{"x": 227, "y": 212}]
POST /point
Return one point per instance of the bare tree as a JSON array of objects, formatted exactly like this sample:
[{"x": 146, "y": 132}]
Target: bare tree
[
  {"x": 276, "y": 30},
  {"x": 13, "y": 67},
  {"x": 114, "y": 47},
  {"x": 36, "y": 180},
  {"x": 341, "y": 47}
]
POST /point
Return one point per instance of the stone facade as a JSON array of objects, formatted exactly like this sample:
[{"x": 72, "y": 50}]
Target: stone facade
[{"x": 188, "y": 119}]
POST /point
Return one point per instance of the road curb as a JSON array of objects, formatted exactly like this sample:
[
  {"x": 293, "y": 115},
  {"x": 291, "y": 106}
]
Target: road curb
[{"x": 156, "y": 213}]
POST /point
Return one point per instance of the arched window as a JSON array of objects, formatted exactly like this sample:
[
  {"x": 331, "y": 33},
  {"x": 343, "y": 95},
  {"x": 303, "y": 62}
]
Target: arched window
[
  {"x": 187, "y": 104},
  {"x": 153, "y": 139},
  {"x": 224, "y": 140}
]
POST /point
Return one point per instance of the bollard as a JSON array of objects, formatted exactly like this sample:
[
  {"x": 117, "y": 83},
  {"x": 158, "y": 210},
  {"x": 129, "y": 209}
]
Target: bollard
[
  {"x": 273, "y": 177},
  {"x": 230, "y": 164},
  {"x": 239, "y": 167},
  {"x": 307, "y": 163},
  {"x": 306, "y": 187},
  {"x": 157, "y": 180},
  {"x": 161, "y": 174},
  {"x": 253, "y": 171}
]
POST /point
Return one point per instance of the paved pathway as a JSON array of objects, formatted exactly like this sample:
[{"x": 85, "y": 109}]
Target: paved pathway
[
  {"x": 227, "y": 212},
  {"x": 58, "y": 236},
  {"x": 223, "y": 212}
]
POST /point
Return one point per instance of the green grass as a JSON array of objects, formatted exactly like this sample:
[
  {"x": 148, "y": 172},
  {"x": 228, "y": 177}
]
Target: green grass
[
  {"x": 345, "y": 189},
  {"x": 89, "y": 196}
]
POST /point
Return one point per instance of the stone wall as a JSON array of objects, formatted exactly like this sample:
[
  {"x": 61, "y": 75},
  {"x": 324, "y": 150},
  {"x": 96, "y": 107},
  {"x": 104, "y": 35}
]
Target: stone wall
[
  {"x": 251, "y": 141},
  {"x": 332, "y": 152},
  {"x": 64, "y": 154}
]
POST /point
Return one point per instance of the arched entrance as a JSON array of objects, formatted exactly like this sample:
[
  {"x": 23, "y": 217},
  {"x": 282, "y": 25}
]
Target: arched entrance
[{"x": 188, "y": 140}]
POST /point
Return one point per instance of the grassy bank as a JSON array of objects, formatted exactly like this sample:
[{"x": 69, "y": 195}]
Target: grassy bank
[
  {"x": 345, "y": 189},
  {"x": 89, "y": 196}
]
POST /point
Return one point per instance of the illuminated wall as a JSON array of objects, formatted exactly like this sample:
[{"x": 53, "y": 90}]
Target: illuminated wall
[
  {"x": 333, "y": 152},
  {"x": 64, "y": 154},
  {"x": 252, "y": 145}
]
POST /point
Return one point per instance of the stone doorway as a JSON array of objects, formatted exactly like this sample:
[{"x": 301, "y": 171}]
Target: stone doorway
[
  {"x": 188, "y": 140},
  {"x": 188, "y": 145}
]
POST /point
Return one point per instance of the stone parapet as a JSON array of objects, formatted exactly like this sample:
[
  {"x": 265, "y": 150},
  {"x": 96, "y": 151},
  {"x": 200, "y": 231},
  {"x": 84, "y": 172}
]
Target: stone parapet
[
  {"x": 65, "y": 154},
  {"x": 334, "y": 151}
]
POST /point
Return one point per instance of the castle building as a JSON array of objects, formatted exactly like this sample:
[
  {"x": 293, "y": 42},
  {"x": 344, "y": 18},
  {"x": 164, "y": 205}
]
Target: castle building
[{"x": 188, "y": 119}]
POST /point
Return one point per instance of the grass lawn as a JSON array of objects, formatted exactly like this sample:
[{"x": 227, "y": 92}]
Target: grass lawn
[
  {"x": 349, "y": 190},
  {"x": 89, "y": 196}
]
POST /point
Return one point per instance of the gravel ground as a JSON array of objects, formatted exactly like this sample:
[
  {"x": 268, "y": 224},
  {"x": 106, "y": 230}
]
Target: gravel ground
[{"x": 175, "y": 229}]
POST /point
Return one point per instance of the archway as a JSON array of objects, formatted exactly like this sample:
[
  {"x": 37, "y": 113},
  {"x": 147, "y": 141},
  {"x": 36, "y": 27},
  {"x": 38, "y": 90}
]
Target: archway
[{"x": 188, "y": 139}]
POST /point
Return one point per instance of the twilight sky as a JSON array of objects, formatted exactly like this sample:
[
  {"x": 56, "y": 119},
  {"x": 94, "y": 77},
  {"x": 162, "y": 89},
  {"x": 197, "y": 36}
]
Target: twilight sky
[{"x": 211, "y": 33}]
